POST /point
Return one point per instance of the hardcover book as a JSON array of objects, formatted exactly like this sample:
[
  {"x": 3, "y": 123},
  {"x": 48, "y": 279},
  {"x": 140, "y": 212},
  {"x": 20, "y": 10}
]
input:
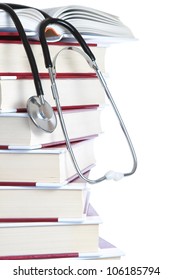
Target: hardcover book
[
  {"x": 106, "y": 251},
  {"x": 76, "y": 91},
  {"x": 19, "y": 132},
  {"x": 67, "y": 62},
  {"x": 46, "y": 166},
  {"x": 44, "y": 204}
]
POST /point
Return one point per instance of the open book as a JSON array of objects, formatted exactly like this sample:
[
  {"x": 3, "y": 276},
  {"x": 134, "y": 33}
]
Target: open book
[{"x": 91, "y": 23}]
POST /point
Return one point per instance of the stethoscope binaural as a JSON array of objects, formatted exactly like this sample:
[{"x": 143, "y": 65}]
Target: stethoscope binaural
[{"x": 40, "y": 112}]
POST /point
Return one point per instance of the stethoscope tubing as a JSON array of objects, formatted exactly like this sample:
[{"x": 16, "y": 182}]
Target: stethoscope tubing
[
  {"x": 89, "y": 56},
  {"x": 26, "y": 45},
  {"x": 92, "y": 63},
  {"x": 109, "y": 96},
  {"x": 69, "y": 27},
  {"x": 121, "y": 122}
]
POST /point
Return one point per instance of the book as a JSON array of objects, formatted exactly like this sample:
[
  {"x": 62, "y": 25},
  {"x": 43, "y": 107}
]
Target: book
[
  {"x": 75, "y": 91},
  {"x": 106, "y": 251},
  {"x": 67, "y": 62},
  {"x": 46, "y": 166},
  {"x": 88, "y": 21},
  {"x": 50, "y": 238},
  {"x": 34, "y": 204},
  {"x": 19, "y": 132}
]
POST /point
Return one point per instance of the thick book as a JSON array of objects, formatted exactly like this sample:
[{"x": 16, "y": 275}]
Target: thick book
[
  {"x": 75, "y": 91},
  {"x": 46, "y": 166},
  {"x": 50, "y": 238},
  {"x": 67, "y": 62},
  {"x": 19, "y": 132},
  {"x": 106, "y": 251},
  {"x": 88, "y": 21},
  {"x": 44, "y": 204}
]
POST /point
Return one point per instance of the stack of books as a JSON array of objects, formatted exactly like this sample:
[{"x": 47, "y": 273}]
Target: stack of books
[{"x": 45, "y": 210}]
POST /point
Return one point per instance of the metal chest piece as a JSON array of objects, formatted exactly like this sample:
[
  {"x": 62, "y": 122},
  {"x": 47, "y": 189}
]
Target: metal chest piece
[{"x": 41, "y": 113}]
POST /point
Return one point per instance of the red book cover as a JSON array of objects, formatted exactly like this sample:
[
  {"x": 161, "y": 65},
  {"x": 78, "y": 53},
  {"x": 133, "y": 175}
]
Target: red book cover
[
  {"x": 28, "y": 220},
  {"x": 44, "y": 75}
]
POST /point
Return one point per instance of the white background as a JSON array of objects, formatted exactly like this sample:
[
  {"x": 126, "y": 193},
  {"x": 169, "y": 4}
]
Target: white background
[{"x": 137, "y": 211}]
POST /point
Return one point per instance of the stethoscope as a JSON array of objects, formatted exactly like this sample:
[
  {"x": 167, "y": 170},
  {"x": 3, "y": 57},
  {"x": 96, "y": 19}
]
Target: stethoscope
[{"x": 40, "y": 112}]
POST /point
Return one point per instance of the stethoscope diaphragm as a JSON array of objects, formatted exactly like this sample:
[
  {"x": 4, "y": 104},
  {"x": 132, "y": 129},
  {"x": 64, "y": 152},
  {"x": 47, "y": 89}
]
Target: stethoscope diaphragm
[{"x": 41, "y": 114}]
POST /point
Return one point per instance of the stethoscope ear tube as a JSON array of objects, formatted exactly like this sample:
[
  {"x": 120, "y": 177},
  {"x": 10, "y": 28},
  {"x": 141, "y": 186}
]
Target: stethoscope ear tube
[{"x": 69, "y": 27}]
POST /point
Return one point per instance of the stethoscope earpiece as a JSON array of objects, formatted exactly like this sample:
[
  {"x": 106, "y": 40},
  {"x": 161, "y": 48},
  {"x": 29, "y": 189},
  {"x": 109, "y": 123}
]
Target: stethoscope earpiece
[{"x": 41, "y": 113}]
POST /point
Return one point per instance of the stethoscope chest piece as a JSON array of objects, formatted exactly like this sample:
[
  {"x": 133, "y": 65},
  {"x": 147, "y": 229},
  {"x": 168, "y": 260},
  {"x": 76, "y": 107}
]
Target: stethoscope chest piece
[{"x": 41, "y": 113}]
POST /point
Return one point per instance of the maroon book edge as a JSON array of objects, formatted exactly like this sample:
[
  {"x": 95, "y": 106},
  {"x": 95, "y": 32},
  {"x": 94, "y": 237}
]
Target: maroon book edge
[
  {"x": 40, "y": 256},
  {"x": 54, "y": 144},
  {"x": 28, "y": 75}
]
